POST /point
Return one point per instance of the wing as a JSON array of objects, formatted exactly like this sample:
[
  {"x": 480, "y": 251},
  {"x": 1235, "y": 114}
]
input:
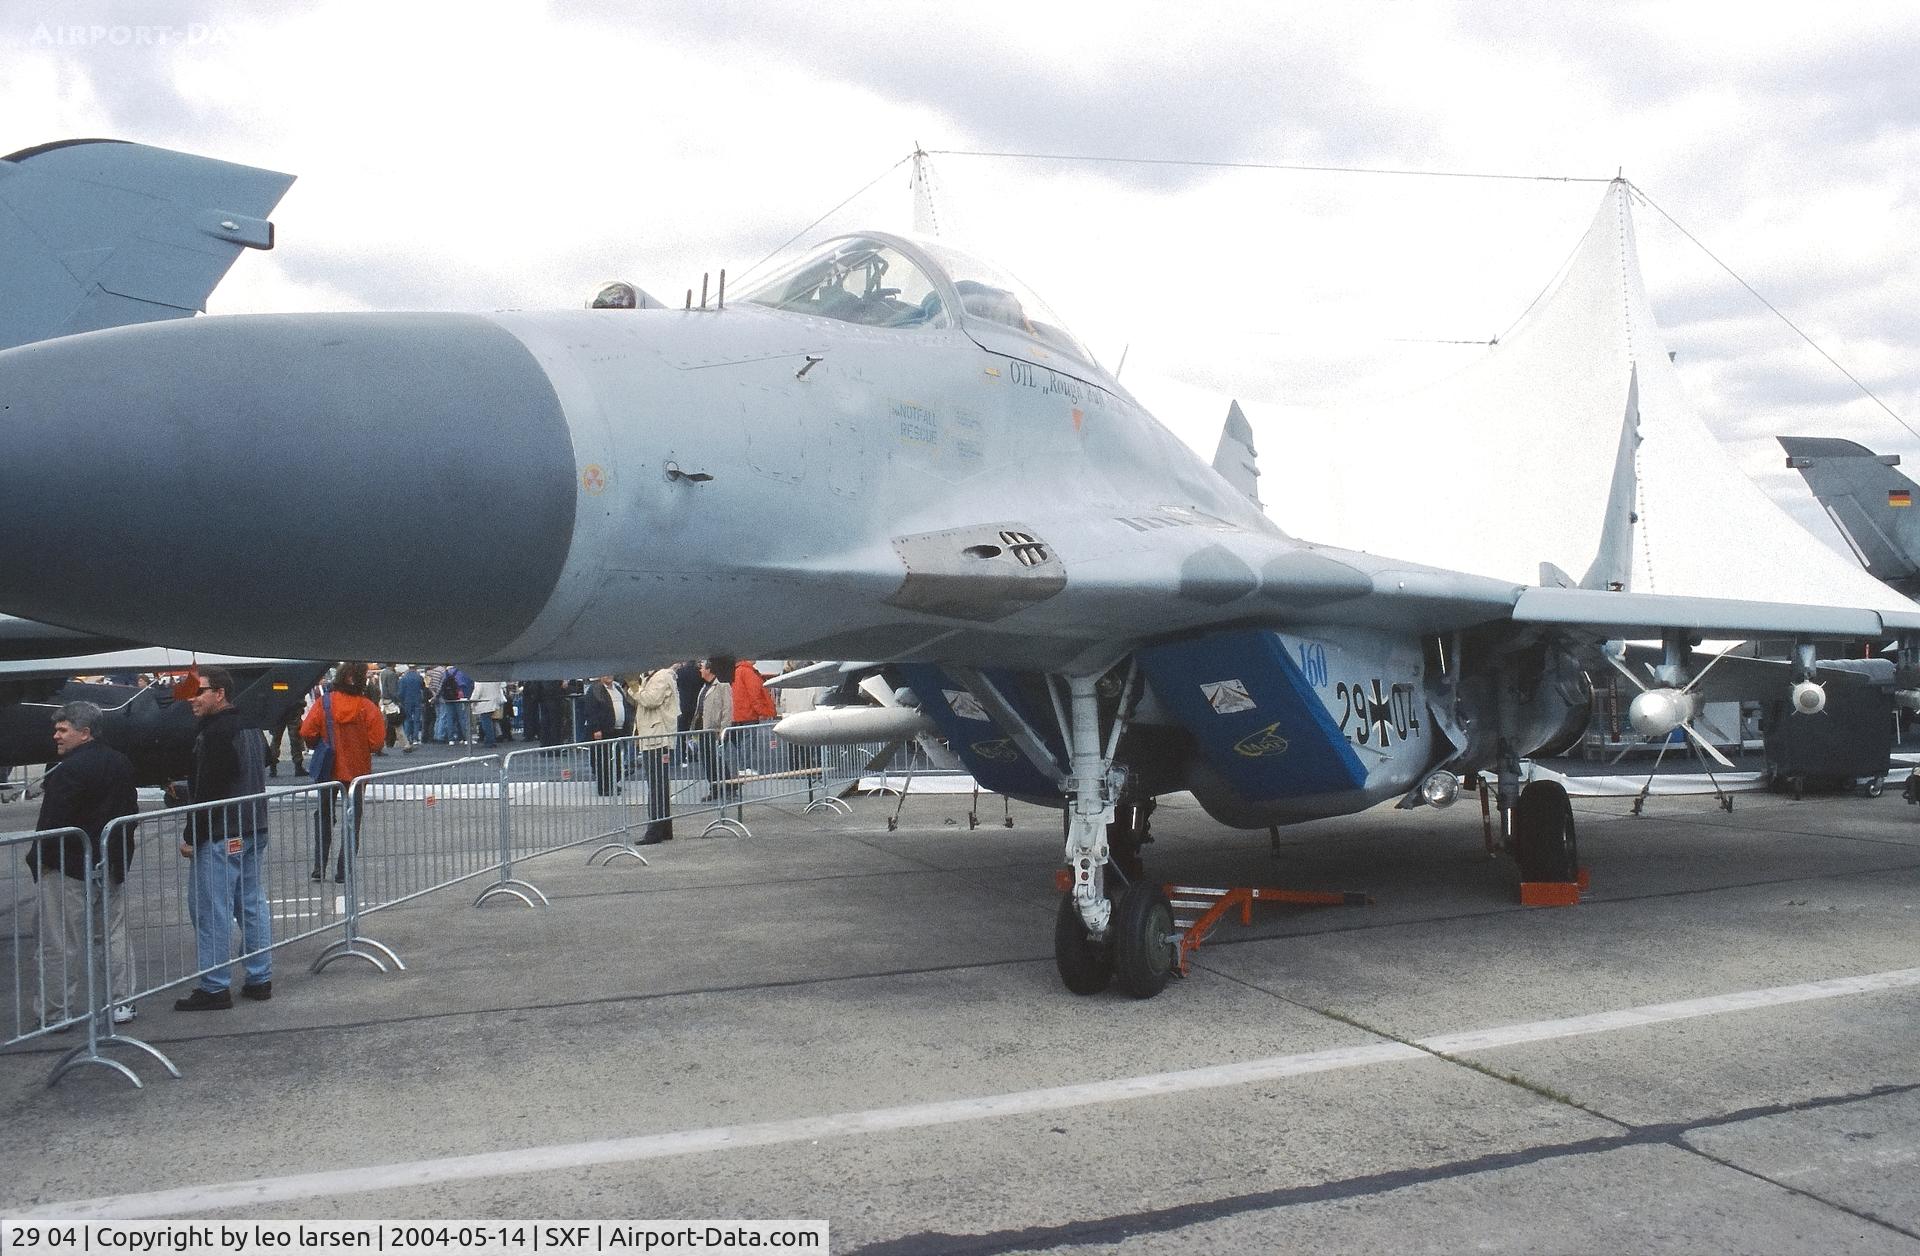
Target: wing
[
  {"x": 101, "y": 233},
  {"x": 1627, "y": 614}
]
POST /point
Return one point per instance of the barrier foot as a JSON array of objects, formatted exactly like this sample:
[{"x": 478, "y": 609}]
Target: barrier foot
[
  {"x": 836, "y": 805},
  {"x": 89, "y": 1051},
  {"x": 350, "y": 948},
  {"x": 613, "y": 851},
  {"x": 517, "y": 888},
  {"x": 116, "y": 1039},
  {"x": 728, "y": 825},
  {"x": 82, "y": 1055}
]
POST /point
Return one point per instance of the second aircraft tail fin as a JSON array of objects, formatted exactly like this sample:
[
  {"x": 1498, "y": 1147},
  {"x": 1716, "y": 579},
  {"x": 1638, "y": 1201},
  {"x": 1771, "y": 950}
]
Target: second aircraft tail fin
[
  {"x": 1876, "y": 508},
  {"x": 100, "y": 233}
]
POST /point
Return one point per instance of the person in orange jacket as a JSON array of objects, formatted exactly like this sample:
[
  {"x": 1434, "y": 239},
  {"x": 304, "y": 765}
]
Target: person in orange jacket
[
  {"x": 751, "y": 701},
  {"x": 357, "y": 729}
]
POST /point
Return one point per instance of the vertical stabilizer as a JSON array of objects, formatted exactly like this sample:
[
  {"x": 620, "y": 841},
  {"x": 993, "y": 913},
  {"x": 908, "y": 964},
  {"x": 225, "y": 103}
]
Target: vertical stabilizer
[
  {"x": 1613, "y": 562},
  {"x": 1235, "y": 459},
  {"x": 101, "y": 233},
  {"x": 1876, "y": 508}
]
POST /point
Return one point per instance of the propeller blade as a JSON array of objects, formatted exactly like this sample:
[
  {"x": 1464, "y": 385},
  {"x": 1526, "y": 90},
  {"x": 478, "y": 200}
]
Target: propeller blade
[
  {"x": 1626, "y": 671},
  {"x": 1709, "y": 667},
  {"x": 1712, "y": 751},
  {"x": 1626, "y": 750}
]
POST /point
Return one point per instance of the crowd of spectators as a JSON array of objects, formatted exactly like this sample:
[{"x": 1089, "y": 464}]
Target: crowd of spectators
[{"x": 357, "y": 713}]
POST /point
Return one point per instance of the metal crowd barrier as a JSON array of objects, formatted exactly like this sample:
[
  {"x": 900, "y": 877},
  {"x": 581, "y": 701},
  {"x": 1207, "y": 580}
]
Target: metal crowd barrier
[
  {"x": 71, "y": 964},
  {"x": 749, "y": 765},
  {"x": 559, "y": 797},
  {"x": 422, "y": 829},
  {"x": 324, "y": 857},
  {"x": 49, "y": 981}
]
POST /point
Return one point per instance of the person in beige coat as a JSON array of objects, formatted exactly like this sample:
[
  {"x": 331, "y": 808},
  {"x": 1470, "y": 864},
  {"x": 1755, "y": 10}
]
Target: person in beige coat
[
  {"x": 713, "y": 713},
  {"x": 656, "y": 717}
]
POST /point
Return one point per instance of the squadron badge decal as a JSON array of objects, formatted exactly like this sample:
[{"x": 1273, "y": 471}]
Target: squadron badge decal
[{"x": 1261, "y": 744}]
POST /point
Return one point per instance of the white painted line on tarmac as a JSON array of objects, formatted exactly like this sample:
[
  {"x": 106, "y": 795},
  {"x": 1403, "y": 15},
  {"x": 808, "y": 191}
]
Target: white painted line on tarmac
[
  {"x": 1659, "y": 1013},
  {"x": 188, "y": 1200}
]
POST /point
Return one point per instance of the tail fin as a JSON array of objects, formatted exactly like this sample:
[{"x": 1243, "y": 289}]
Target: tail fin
[
  {"x": 1876, "y": 508},
  {"x": 1235, "y": 459},
  {"x": 1612, "y": 567},
  {"x": 100, "y": 233}
]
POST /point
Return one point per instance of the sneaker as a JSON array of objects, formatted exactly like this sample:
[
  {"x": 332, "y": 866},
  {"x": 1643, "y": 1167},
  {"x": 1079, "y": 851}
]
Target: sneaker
[
  {"x": 8, "y": 795},
  {"x": 204, "y": 1000},
  {"x": 258, "y": 991},
  {"x": 123, "y": 1013}
]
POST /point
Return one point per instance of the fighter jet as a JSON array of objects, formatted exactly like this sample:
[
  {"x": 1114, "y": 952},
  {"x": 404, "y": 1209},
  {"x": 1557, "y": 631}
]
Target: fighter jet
[
  {"x": 889, "y": 451},
  {"x": 1871, "y": 503}
]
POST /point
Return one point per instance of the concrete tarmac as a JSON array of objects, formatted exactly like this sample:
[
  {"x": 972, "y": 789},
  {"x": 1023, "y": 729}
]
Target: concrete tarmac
[{"x": 831, "y": 1020}]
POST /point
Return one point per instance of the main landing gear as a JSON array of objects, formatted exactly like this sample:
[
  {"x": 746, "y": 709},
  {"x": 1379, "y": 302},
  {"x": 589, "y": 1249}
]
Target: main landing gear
[
  {"x": 1100, "y": 935},
  {"x": 1541, "y": 836}
]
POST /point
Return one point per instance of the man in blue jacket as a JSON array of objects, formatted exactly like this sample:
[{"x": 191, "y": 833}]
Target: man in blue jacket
[{"x": 90, "y": 787}]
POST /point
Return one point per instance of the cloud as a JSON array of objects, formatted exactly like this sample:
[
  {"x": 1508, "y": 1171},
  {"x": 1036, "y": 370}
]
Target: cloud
[{"x": 469, "y": 157}]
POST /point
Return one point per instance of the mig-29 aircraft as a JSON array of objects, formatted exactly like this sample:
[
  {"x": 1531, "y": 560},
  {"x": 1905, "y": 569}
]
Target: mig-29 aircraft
[{"x": 890, "y": 451}]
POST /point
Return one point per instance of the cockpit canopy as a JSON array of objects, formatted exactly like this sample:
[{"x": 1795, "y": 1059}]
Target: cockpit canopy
[{"x": 887, "y": 281}]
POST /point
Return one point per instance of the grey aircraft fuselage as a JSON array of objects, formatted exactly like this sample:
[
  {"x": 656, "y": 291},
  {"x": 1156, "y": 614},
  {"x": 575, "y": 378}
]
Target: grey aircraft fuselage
[{"x": 886, "y": 453}]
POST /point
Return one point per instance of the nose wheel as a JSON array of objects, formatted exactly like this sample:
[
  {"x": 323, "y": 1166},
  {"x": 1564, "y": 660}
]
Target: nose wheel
[
  {"x": 1140, "y": 951},
  {"x": 1144, "y": 941},
  {"x": 1085, "y": 963}
]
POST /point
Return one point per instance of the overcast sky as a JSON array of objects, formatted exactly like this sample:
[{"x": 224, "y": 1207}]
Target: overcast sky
[{"x": 478, "y": 156}]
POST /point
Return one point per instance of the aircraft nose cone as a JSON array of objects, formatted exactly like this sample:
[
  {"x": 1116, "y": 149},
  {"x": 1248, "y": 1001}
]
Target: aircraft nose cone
[{"x": 305, "y": 486}]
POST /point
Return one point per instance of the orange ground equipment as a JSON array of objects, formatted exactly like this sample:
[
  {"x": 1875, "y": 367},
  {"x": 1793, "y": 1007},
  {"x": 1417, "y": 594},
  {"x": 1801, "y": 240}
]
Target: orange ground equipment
[{"x": 1198, "y": 908}]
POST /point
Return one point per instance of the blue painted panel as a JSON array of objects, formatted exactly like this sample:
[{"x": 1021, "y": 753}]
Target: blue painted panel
[
  {"x": 1256, "y": 719},
  {"x": 982, "y": 744}
]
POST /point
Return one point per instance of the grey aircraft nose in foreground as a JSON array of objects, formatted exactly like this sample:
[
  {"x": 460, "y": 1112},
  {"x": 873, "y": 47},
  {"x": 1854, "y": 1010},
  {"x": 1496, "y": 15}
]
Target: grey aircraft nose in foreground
[{"x": 889, "y": 452}]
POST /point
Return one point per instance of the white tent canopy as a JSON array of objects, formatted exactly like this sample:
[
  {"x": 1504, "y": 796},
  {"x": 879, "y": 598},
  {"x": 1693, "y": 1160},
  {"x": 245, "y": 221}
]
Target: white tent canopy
[{"x": 1509, "y": 463}]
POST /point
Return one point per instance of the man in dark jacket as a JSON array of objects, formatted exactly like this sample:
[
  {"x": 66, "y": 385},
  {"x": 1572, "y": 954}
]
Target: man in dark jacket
[
  {"x": 90, "y": 787},
  {"x": 228, "y": 847},
  {"x": 607, "y": 719},
  {"x": 686, "y": 675}
]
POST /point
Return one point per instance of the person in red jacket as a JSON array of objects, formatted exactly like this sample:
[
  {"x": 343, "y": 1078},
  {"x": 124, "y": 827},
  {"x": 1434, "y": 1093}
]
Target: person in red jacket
[
  {"x": 751, "y": 701},
  {"x": 357, "y": 730}
]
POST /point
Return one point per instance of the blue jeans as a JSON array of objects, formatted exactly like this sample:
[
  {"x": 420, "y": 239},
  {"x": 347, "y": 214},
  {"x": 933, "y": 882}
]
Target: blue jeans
[
  {"x": 415, "y": 721},
  {"x": 225, "y": 888},
  {"x": 488, "y": 735},
  {"x": 451, "y": 726}
]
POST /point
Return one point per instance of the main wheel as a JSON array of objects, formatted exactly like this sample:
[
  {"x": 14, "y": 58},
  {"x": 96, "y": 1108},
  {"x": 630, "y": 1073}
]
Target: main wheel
[
  {"x": 1142, "y": 932},
  {"x": 1543, "y": 840},
  {"x": 1086, "y": 966}
]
